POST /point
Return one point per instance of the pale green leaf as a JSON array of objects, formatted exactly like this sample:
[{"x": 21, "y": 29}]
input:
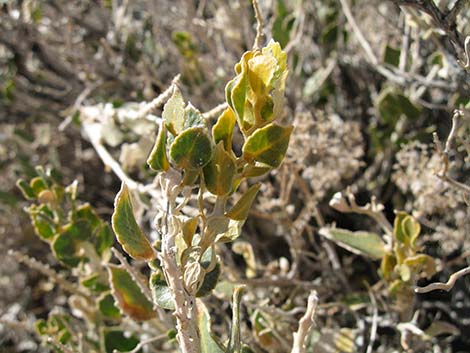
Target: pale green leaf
[{"x": 361, "y": 243}]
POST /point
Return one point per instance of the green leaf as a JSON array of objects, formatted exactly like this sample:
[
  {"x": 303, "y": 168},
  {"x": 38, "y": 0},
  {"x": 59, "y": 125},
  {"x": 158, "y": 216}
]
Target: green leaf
[
  {"x": 104, "y": 240},
  {"x": 158, "y": 159},
  {"x": 391, "y": 55},
  {"x": 128, "y": 232},
  {"x": 233, "y": 232},
  {"x": 173, "y": 112},
  {"x": 118, "y": 340},
  {"x": 107, "y": 308},
  {"x": 210, "y": 281},
  {"x": 65, "y": 249},
  {"x": 192, "y": 149},
  {"x": 66, "y": 245},
  {"x": 161, "y": 293},
  {"x": 42, "y": 219},
  {"x": 128, "y": 296},
  {"x": 223, "y": 129},
  {"x": 26, "y": 189},
  {"x": 392, "y": 105},
  {"x": 37, "y": 185},
  {"x": 361, "y": 243},
  {"x": 239, "y": 212},
  {"x": 267, "y": 145},
  {"x": 189, "y": 229},
  {"x": 219, "y": 173},
  {"x": 85, "y": 212},
  {"x": 94, "y": 283},
  {"x": 208, "y": 343}
]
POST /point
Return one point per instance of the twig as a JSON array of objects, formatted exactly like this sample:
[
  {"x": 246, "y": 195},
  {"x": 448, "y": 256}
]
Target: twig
[
  {"x": 444, "y": 286},
  {"x": 59, "y": 345},
  {"x": 347, "y": 204},
  {"x": 136, "y": 276},
  {"x": 50, "y": 273},
  {"x": 77, "y": 104},
  {"x": 444, "y": 21},
  {"x": 375, "y": 319},
  {"x": 144, "y": 343},
  {"x": 444, "y": 154},
  {"x": 90, "y": 129},
  {"x": 467, "y": 52},
  {"x": 305, "y": 324},
  {"x": 157, "y": 102},
  {"x": 215, "y": 111},
  {"x": 259, "y": 26},
  {"x": 360, "y": 37}
]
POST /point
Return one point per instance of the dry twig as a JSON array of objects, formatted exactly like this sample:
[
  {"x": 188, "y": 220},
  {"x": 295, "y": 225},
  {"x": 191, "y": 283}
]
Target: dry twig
[
  {"x": 49, "y": 273},
  {"x": 305, "y": 324},
  {"x": 443, "y": 174},
  {"x": 444, "y": 286},
  {"x": 259, "y": 26}
]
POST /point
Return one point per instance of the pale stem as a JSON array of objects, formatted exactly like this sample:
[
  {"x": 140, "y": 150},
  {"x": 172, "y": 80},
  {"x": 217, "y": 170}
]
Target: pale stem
[
  {"x": 444, "y": 286},
  {"x": 305, "y": 324}
]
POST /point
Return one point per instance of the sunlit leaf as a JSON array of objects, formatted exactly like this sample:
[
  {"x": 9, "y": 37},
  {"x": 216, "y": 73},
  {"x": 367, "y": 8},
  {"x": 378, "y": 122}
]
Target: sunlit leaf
[
  {"x": 233, "y": 232},
  {"x": 223, "y": 129},
  {"x": 128, "y": 232},
  {"x": 361, "y": 243},
  {"x": 129, "y": 297},
  {"x": 219, "y": 173},
  {"x": 158, "y": 159},
  {"x": 267, "y": 145},
  {"x": 422, "y": 264},
  {"x": 189, "y": 229},
  {"x": 240, "y": 210},
  {"x": 261, "y": 72},
  {"x": 173, "y": 112}
]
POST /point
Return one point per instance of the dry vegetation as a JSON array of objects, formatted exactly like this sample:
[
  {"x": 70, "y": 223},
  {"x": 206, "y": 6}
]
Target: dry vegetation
[{"x": 369, "y": 83}]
